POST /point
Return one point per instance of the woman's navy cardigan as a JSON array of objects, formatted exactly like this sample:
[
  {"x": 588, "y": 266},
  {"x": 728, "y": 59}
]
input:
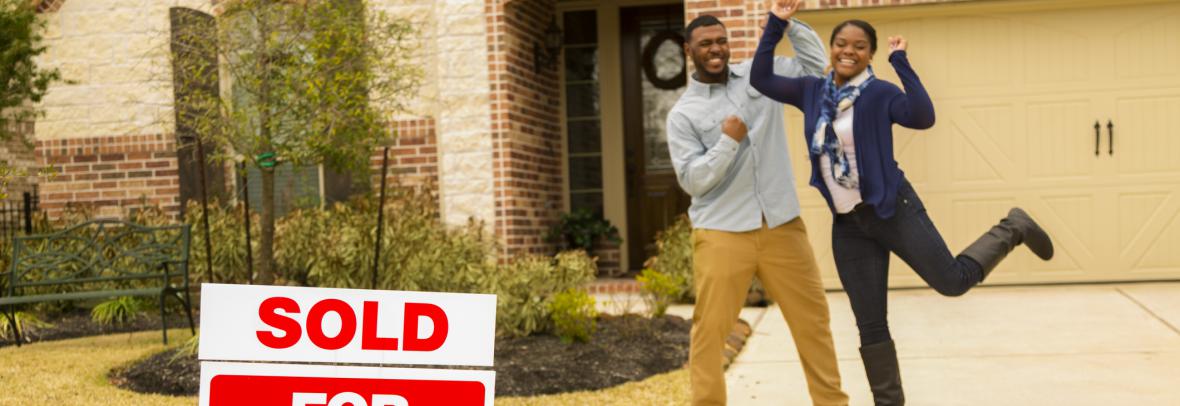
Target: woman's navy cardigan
[{"x": 880, "y": 105}]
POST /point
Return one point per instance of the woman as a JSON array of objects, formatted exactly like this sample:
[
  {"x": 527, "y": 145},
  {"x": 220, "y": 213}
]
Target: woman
[{"x": 848, "y": 125}]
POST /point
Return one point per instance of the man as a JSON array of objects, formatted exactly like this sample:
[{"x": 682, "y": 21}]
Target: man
[{"x": 744, "y": 211}]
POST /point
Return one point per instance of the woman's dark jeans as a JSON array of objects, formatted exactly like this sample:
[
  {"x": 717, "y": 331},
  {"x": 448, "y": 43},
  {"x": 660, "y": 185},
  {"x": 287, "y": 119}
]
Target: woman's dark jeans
[{"x": 861, "y": 243}]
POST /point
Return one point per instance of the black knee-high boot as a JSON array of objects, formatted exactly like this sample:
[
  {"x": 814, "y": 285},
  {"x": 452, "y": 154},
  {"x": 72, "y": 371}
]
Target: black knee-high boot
[
  {"x": 1018, "y": 228},
  {"x": 884, "y": 374}
]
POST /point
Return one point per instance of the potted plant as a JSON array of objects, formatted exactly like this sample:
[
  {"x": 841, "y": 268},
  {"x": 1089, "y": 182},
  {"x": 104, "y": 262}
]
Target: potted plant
[{"x": 583, "y": 229}]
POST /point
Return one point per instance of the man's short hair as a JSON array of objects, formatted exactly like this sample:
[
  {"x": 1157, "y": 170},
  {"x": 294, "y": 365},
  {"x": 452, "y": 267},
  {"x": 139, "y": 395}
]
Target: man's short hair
[{"x": 702, "y": 21}]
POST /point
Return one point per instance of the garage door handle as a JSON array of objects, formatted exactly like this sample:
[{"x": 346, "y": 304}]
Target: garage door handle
[
  {"x": 1110, "y": 132},
  {"x": 1097, "y": 137}
]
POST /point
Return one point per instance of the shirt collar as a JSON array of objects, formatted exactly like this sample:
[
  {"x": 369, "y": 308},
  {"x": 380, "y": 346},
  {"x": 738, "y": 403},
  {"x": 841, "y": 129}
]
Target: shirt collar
[
  {"x": 705, "y": 89},
  {"x": 861, "y": 78}
]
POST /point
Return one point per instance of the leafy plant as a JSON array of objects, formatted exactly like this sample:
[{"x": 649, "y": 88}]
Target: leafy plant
[
  {"x": 580, "y": 228},
  {"x": 28, "y": 322},
  {"x": 188, "y": 349},
  {"x": 660, "y": 290},
  {"x": 674, "y": 258},
  {"x": 526, "y": 286},
  {"x": 118, "y": 311},
  {"x": 574, "y": 315},
  {"x": 22, "y": 82}
]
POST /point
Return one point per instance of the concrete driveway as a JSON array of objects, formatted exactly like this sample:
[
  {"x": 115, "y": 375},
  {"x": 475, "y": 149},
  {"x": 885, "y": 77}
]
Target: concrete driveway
[{"x": 1036, "y": 346}]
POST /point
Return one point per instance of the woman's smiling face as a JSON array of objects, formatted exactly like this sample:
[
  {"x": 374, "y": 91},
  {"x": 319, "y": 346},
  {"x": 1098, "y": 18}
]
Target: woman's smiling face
[{"x": 851, "y": 52}]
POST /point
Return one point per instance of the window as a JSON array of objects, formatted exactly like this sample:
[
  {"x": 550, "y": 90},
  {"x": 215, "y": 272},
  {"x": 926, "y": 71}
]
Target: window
[{"x": 583, "y": 113}]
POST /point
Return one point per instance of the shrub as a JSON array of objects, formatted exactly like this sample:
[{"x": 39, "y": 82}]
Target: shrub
[
  {"x": 228, "y": 237},
  {"x": 118, "y": 311},
  {"x": 674, "y": 258},
  {"x": 418, "y": 252},
  {"x": 659, "y": 290},
  {"x": 574, "y": 315},
  {"x": 526, "y": 286}
]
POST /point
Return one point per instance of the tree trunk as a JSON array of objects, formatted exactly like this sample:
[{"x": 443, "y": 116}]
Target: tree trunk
[{"x": 266, "y": 252}]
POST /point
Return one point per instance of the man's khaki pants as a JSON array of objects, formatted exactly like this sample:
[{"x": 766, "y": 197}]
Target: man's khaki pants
[{"x": 724, "y": 264}]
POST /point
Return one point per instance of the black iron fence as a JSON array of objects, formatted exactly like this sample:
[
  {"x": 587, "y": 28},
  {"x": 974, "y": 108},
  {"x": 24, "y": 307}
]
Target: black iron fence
[{"x": 16, "y": 216}]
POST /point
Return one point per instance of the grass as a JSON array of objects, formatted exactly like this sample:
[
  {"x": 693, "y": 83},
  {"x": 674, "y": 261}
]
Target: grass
[{"x": 74, "y": 372}]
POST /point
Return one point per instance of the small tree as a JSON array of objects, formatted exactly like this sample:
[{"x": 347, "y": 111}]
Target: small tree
[
  {"x": 22, "y": 82},
  {"x": 311, "y": 82}
]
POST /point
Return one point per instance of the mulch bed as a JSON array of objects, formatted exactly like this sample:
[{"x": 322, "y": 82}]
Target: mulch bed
[
  {"x": 624, "y": 349},
  {"x": 77, "y": 323}
]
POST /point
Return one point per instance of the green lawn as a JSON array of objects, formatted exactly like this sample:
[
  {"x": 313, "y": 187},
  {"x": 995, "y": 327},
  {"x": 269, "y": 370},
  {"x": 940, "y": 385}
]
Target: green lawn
[{"x": 74, "y": 372}]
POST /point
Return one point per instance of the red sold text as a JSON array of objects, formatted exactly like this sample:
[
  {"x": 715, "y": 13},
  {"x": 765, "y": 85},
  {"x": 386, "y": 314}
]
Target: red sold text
[{"x": 275, "y": 312}]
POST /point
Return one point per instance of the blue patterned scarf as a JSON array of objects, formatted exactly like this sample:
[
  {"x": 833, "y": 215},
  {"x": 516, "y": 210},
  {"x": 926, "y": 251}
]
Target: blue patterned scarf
[{"x": 825, "y": 141}]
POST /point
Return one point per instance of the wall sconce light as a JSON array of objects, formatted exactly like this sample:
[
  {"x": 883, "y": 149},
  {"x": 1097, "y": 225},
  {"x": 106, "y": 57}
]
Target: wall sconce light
[{"x": 546, "y": 56}]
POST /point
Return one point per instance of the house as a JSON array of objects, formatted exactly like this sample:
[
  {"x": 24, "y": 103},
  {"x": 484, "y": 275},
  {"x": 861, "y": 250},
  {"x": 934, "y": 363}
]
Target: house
[{"x": 1069, "y": 108}]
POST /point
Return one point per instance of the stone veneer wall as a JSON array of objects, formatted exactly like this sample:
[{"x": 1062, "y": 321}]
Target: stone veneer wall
[{"x": 456, "y": 95}]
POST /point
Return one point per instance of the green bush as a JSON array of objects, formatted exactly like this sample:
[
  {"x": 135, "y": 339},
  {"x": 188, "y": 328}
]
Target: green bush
[
  {"x": 574, "y": 315},
  {"x": 526, "y": 286},
  {"x": 674, "y": 258},
  {"x": 659, "y": 290},
  {"x": 118, "y": 311},
  {"x": 418, "y": 252},
  {"x": 228, "y": 237}
]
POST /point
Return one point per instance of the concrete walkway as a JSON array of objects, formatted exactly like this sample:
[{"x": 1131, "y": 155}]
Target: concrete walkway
[{"x": 1036, "y": 346}]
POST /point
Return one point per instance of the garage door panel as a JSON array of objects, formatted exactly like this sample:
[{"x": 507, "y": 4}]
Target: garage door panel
[
  {"x": 1155, "y": 247},
  {"x": 988, "y": 61},
  {"x": 1056, "y": 52},
  {"x": 1071, "y": 220},
  {"x": 971, "y": 163},
  {"x": 1060, "y": 136},
  {"x": 1136, "y": 210},
  {"x": 1147, "y": 134},
  {"x": 999, "y": 123},
  {"x": 1150, "y": 44},
  {"x": 1162, "y": 256}
]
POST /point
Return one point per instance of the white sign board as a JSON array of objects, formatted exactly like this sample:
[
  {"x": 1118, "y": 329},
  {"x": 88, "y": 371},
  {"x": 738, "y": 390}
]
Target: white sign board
[{"x": 292, "y": 324}]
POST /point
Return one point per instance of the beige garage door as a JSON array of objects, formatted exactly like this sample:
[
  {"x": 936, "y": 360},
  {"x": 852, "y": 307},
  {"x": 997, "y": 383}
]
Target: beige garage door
[{"x": 1019, "y": 88}]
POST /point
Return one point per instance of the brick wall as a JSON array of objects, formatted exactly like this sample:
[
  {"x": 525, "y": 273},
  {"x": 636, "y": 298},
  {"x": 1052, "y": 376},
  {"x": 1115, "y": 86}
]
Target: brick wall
[
  {"x": 109, "y": 173},
  {"x": 743, "y": 17},
  {"x": 413, "y": 158},
  {"x": 526, "y": 132}
]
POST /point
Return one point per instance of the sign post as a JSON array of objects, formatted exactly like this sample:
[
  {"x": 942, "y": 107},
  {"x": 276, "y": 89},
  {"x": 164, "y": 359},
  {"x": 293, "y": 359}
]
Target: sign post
[{"x": 273, "y": 327}]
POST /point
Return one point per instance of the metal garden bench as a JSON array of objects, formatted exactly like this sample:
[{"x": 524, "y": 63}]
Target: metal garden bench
[{"x": 100, "y": 259}]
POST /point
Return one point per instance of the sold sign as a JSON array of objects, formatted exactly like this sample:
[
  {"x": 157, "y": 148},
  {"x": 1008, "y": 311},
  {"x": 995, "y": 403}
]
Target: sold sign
[
  {"x": 291, "y": 324},
  {"x": 255, "y": 384},
  {"x": 279, "y": 323}
]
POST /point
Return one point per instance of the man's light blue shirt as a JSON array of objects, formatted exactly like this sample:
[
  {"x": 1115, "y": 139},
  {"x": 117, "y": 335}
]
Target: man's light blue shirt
[{"x": 735, "y": 186}]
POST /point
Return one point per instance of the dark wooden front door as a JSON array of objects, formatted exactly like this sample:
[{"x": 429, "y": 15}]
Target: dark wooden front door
[{"x": 653, "y": 79}]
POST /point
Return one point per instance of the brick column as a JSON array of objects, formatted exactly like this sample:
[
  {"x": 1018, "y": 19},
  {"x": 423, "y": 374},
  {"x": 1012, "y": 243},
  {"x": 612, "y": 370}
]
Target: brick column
[{"x": 526, "y": 132}]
